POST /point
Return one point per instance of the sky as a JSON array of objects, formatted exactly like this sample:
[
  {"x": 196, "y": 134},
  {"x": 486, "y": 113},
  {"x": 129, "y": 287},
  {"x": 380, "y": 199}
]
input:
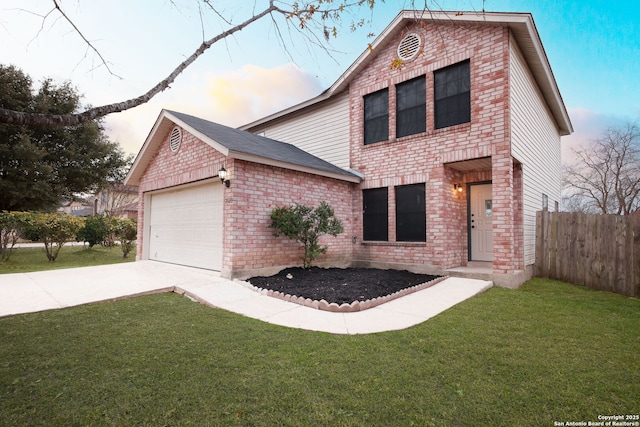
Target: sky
[{"x": 593, "y": 47}]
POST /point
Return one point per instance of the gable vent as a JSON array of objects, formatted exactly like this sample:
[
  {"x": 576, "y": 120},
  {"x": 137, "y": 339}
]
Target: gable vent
[
  {"x": 409, "y": 47},
  {"x": 174, "y": 139}
]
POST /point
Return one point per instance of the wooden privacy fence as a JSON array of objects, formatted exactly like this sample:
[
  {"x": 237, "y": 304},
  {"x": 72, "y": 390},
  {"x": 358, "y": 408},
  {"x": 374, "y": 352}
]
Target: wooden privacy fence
[{"x": 596, "y": 251}]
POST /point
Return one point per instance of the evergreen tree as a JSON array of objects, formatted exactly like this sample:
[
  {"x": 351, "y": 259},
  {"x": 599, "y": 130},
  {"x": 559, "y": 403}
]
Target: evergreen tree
[{"x": 40, "y": 166}]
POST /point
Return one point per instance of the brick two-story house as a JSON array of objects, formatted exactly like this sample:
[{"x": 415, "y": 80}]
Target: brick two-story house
[{"x": 435, "y": 149}]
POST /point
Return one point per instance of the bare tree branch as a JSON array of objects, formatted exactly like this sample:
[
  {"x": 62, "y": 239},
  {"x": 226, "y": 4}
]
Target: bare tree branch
[
  {"x": 306, "y": 15},
  {"x": 89, "y": 44},
  {"x": 605, "y": 176}
]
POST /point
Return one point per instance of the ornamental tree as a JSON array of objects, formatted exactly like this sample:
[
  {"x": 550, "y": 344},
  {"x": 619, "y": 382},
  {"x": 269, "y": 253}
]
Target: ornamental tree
[
  {"x": 52, "y": 229},
  {"x": 306, "y": 224},
  {"x": 11, "y": 224},
  {"x": 125, "y": 230}
]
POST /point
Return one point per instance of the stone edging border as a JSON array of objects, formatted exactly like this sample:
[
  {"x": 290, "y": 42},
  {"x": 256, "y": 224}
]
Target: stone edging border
[{"x": 344, "y": 307}]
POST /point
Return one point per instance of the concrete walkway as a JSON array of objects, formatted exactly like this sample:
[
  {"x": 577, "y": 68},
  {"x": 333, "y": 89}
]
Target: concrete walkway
[{"x": 55, "y": 289}]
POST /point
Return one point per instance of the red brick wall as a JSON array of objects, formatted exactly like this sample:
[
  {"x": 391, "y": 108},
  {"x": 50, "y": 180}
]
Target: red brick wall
[
  {"x": 423, "y": 157},
  {"x": 258, "y": 189},
  {"x": 194, "y": 161},
  {"x": 255, "y": 190}
]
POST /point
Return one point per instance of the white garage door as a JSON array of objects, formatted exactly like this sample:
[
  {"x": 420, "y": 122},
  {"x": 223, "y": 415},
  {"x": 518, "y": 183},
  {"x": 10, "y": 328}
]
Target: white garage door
[{"x": 186, "y": 226}]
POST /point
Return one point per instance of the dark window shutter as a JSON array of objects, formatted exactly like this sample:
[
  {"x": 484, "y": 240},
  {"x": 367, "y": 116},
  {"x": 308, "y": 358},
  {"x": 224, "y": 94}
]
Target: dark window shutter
[
  {"x": 411, "y": 213},
  {"x": 452, "y": 87},
  {"x": 376, "y": 117},
  {"x": 411, "y": 109},
  {"x": 375, "y": 216}
]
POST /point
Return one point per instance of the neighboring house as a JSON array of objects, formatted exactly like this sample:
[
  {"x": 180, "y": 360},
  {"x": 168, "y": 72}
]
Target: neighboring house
[
  {"x": 435, "y": 149},
  {"x": 118, "y": 201},
  {"x": 76, "y": 208}
]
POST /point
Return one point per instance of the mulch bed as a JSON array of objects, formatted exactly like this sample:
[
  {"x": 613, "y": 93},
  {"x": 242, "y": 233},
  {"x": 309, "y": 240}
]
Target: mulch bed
[{"x": 341, "y": 286}]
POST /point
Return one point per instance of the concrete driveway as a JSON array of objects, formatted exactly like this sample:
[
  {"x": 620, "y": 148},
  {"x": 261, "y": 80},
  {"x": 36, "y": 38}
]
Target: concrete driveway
[
  {"x": 56, "y": 289},
  {"x": 53, "y": 289}
]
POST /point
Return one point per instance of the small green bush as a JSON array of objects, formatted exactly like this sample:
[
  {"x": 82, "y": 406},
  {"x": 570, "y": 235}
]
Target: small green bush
[
  {"x": 125, "y": 230},
  {"x": 11, "y": 225},
  {"x": 94, "y": 231},
  {"x": 52, "y": 229},
  {"x": 306, "y": 224}
]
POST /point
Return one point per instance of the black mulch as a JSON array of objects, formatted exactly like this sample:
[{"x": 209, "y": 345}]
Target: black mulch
[{"x": 340, "y": 285}]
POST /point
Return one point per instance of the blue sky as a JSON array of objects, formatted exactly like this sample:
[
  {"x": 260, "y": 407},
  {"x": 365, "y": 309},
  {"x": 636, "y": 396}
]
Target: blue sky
[{"x": 593, "y": 47}]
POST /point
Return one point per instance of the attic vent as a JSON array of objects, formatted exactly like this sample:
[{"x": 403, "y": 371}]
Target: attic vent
[
  {"x": 175, "y": 139},
  {"x": 409, "y": 47}
]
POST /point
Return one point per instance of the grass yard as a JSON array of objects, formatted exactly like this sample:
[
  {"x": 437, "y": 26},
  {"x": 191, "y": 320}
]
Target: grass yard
[
  {"x": 35, "y": 259},
  {"x": 528, "y": 357}
]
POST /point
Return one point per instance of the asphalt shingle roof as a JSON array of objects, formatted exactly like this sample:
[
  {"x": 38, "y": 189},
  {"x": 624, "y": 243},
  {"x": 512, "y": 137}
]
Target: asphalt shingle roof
[{"x": 249, "y": 143}]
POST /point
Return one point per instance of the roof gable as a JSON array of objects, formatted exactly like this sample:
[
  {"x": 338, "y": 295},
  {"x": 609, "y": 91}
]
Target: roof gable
[
  {"x": 233, "y": 143},
  {"x": 521, "y": 26}
]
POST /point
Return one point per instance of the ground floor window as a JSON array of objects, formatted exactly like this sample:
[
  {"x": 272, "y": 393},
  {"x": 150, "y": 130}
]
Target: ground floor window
[
  {"x": 411, "y": 213},
  {"x": 375, "y": 214}
]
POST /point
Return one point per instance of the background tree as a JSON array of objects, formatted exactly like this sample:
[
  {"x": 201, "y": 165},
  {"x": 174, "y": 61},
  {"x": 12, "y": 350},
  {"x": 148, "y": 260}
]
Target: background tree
[
  {"x": 604, "y": 178},
  {"x": 41, "y": 165},
  {"x": 113, "y": 200},
  {"x": 316, "y": 20}
]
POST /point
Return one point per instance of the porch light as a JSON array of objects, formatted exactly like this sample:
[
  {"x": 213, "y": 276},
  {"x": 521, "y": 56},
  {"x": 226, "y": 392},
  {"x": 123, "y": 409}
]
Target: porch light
[
  {"x": 222, "y": 173},
  {"x": 457, "y": 187}
]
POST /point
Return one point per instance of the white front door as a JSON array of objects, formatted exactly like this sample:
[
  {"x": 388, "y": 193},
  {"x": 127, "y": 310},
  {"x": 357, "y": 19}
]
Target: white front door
[{"x": 480, "y": 222}]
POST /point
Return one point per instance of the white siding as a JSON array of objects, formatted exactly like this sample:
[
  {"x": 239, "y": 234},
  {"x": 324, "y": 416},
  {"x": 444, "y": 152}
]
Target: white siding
[
  {"x": 535, "y": 142},
  {"x": 322, "y": 131}
]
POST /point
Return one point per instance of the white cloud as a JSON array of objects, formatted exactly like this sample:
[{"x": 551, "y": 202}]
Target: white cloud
[
  {"x": 253, "y": 92},
  {"x": 232, "y": 98}
]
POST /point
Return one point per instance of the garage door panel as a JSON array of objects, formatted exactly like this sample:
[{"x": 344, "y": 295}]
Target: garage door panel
[{"x": 186, "y": 226}]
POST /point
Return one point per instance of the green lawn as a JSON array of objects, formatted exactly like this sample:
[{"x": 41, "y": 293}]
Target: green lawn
[
  {"x": 35, "y": 259},
  {"x": 528, "y": 357}
]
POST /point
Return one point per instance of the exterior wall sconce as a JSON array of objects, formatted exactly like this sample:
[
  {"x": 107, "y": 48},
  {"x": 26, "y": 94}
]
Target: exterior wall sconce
[
  {"x": 457, "y": 187},
  {"x": 222, "y": 173}
]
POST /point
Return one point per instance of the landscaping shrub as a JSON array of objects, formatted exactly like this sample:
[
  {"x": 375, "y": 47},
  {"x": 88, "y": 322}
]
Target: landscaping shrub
[
  {"x": 52, "y": 229},
  {"x": 11, "y": 224},
  {"x": 94, "y": 231},
  {"x": 125, "y": 230},
  {"x": 306, "y": 224}
]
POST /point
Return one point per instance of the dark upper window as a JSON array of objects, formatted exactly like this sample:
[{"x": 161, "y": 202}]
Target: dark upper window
[
  {"x": 375, "y": 216},
  {"x": 376, "y": 117},
  {"x": 452, "y": 95},
  {"x": 411, "y": 220},
  {"x": 411, "y": 107}
]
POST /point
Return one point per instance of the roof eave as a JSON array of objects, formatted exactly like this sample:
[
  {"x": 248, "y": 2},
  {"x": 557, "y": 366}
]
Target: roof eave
[
  {"x": 164, "y": 122},
  {"x": 541, "y": 68},
  {"x": 144, "y": 155},
  {"x": 515, "y": 21},
  {"x": 346, "y": 176}
]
